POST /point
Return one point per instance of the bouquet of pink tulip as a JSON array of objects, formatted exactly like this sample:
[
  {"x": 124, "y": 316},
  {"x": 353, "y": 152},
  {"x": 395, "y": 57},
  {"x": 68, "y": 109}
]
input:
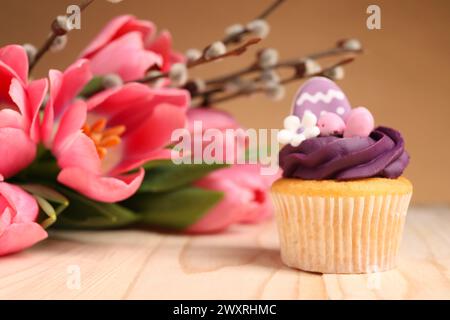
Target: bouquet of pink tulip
[{"x": 89, "y": 147}]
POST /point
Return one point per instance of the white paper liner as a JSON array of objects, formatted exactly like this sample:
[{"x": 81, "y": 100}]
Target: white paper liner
[{"x": 340, "y": 234}]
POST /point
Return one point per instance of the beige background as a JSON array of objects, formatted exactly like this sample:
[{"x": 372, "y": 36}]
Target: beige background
[{"x": 403, "y": 78}]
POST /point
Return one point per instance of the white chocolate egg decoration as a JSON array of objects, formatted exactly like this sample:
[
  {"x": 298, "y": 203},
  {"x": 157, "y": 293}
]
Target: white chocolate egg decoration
[{"x": 318, "y": 95}]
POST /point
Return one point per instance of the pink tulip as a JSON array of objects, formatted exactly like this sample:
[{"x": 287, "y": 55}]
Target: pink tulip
[
  {"x": 234, "y": 144},
  {"x": 98, "y": 141},
  {"x": 18, "y": 213},
  {"x": 129, "y": 47},
  {"x": 19, "y": 108},
  {"x": 162, "y": 45},
  {"x": 246, "y": 198}
]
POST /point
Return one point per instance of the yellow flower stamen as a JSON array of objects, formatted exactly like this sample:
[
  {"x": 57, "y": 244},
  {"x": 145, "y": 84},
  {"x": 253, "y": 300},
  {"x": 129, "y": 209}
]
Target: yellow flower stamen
[{"x": 102, "y": 136}]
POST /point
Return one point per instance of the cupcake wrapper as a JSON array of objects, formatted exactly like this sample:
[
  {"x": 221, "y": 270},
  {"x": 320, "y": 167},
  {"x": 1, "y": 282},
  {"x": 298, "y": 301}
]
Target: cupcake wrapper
[{"x": 340, "y": 234}]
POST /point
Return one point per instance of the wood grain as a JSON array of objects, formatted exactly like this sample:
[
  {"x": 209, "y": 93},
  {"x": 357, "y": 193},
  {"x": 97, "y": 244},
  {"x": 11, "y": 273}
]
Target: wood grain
[{"x": 243, "y": 263}]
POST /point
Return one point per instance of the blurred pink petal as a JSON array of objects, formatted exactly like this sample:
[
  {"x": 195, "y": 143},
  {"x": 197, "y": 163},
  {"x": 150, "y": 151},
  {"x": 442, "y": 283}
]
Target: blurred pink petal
[
  {"x": 18, "y": 213},
  {"x": 211, "y": 119},
  {"x": 81, "y": 153},
  {"x": 19, "y": 106},
  {"x": 64, "y": 87},
  {"x": 246, "y": 198},
  {"x": 71, "y": 122},
  {"x": 100, "y": 188},
  {"x": 15, "y": 57},
  {"x": 18, "y": 151},
  {"x": 234, "y": 143},
  {"x": 129, "y": 47},
  {"x": 19, "y": 97},
  {"x": 116, "y": 28},
  {"x": 162, "y": 45},
  {"x": 36, "y": 95},
  {"x": 11, "y": 119},
  {"x": 155, "y": 131},
  {"x": 71, "y": 83},
  {"x": 28, "y": 101},
  {"x": 126, "y": 57}
]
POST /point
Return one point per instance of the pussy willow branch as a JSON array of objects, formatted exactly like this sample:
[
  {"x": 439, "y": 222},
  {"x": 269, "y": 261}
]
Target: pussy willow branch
[
  {"x": 266, "y": 13},
  {"x": 227, "y": 40},
  {"x": 203, "y": 60},
  {"x": 48, "y": 43},
  {"x": 285, "y": 81},
  {"x": 283, "y": 64}
]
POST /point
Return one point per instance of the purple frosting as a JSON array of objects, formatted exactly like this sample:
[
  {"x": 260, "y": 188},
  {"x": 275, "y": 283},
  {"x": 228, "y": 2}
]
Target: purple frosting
[{"x": 382, "y": 154}]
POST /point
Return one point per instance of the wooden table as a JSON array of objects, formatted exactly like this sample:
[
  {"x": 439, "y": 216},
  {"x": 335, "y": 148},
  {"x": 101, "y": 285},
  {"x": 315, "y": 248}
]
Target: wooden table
[{"x": 243, "y": 263}]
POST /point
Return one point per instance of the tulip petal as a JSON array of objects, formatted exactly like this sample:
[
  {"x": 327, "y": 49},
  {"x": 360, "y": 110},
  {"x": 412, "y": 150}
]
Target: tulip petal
[
  {"x": 162, "y": 45},
  {"x": 116, "y": 28},
  {"x": 246, "y": 198},
  {"x": 126, "y": 57},
  {"x": 79, "y": 152},
  {"x": 36, "y": 94},
  {"x": 47, "y": 126},
  {"x": 16, "y": 58},
  {"x": 20, "y": 236},
  {"x": 104, "y": 189},
  {"x": 130, "y": 163},
  {"x": 131, "y": 98},
  {"x": 98, "y": 98},
  {"x": 211, "y": 119},
  {"x": 137, "y": 102},
  {"x": 73, "y": 81},
  {"x": 176, "y": 97},
  {"x": 18, "y": 96},
  {"x": 134, "y": 102},
  {"x": 10, "y": 118},
  {"x": 28, "y": 101},
  {"x": 24, "y": 205},
  {"x": 71, "y": 123},
  {"x": 17, "y": 151},
  {"x": 155, "y": 132}
]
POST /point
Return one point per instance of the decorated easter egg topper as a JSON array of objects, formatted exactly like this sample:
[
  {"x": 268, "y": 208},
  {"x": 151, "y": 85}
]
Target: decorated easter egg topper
[{"x": 320, "y": 108}]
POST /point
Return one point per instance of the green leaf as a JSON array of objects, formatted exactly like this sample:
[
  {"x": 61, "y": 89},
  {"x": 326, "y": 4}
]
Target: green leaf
[
  {"x": 157, "y": 163},
  {"x": 45, "y": 196},
  {"x": 92, "y": 87},
  {"x": 166, "y": 176},
  {"x": 46, "y": 192},
  {"x": 173, "y": 210},
  {"x": 48, "y": 209},
  {"x": 89, "y": 214}
]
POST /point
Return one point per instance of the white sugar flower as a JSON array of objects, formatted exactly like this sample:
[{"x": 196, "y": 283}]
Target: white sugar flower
[{"x": 292, "y": 125}]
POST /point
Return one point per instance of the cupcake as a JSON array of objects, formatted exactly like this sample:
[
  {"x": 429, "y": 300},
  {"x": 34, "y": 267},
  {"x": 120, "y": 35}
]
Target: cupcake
[{"x": 342, "y": 201}]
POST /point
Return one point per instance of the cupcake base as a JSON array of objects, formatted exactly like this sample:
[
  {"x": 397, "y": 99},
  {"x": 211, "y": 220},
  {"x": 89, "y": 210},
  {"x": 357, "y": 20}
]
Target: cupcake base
[{"x": 341, "y": 227}]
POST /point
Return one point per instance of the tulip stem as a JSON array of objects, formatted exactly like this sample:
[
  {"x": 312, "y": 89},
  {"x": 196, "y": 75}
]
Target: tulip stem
[
  {"x": 208, "y": 100},
  {"x": 48, "y": 43}
]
